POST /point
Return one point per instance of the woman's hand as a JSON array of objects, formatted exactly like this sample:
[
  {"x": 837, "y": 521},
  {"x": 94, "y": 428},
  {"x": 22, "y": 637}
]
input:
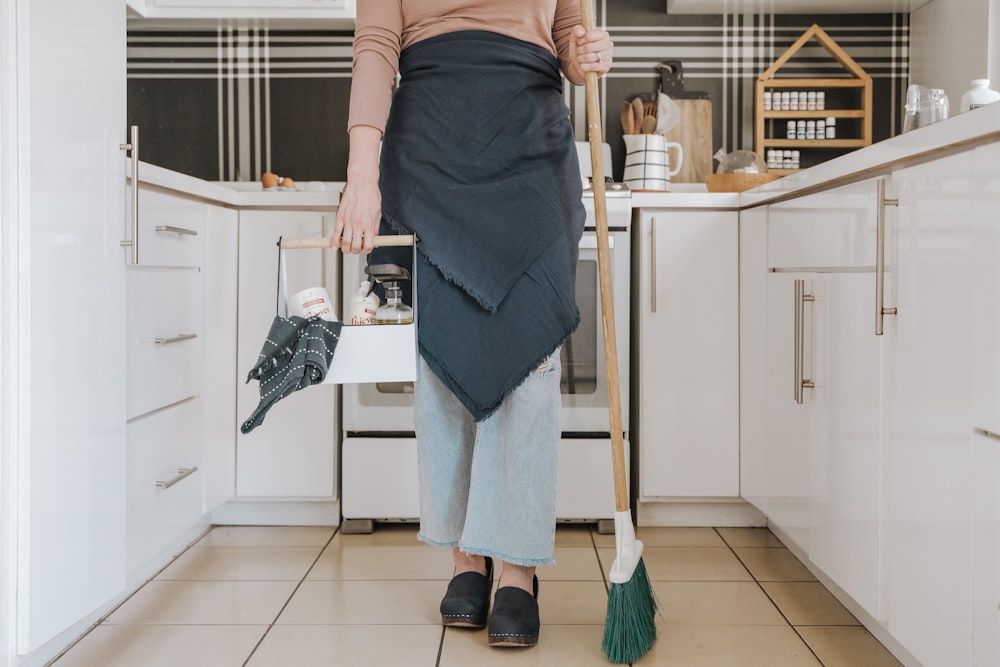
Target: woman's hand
[
  {"x": 590, "y": 51},
  {"x": 360, "y": 209}
]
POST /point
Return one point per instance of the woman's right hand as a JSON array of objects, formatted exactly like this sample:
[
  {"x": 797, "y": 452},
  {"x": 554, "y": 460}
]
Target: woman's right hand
[{"x": 360, "y": 209}]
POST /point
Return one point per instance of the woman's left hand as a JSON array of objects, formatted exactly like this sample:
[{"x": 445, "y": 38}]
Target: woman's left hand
[{"x": 591, "y": 51}]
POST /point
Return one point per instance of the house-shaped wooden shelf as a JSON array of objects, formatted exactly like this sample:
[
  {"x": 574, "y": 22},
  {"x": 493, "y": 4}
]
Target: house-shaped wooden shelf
[{"x": 768, "y": 81}]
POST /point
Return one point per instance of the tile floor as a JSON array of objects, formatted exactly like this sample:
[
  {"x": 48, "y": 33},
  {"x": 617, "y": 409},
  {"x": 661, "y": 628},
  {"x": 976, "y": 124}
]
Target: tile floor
[{"x": 302, "y": 596}]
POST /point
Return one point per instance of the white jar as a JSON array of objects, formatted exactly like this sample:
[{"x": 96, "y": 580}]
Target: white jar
[
  {"x": 831, "y": 127},
  {"x": 820, "y": 100},
  {"x": 810, "y": 129},
  {"x": 811, "y": 100},
  {"x": 978, "y": 95},
  {"x": 796, "y": 157},
  {"x": 793, "y": 101},
  {"x": 800, "y": 129},
  {"x": 790, "y": 133},
  {"x": 786, "y": 159},
  {"x": 767, "y": 100},
  {"x": 785, "y": 100}
]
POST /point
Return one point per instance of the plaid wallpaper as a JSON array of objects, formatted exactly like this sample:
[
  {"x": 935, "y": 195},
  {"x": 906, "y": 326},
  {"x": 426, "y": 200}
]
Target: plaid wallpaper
[{"x": 231, "y": 103}]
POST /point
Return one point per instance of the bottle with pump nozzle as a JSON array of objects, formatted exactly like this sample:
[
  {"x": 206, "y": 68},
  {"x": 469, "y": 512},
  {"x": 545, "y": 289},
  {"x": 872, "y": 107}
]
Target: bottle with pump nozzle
[
  {"x": 393, "y": 311},
  {"x": 364, "y": 304}
]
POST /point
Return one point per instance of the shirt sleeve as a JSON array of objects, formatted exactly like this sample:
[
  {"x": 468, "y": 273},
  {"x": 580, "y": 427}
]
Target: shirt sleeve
[
  {"x": 567, "y": 17},
  {"x": 377, "y": 39}
]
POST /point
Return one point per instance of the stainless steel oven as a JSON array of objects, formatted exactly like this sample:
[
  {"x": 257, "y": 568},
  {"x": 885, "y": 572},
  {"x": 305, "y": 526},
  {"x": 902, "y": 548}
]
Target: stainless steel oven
[{"x": 378, "y": 449}]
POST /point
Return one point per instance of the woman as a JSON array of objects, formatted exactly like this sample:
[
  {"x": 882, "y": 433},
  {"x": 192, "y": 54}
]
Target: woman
[{"x": 477, "y": 158}]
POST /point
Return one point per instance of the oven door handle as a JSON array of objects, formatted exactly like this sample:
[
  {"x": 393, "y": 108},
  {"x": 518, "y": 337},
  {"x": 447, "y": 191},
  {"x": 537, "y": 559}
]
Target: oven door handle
[{"x": 589, "y": 241}]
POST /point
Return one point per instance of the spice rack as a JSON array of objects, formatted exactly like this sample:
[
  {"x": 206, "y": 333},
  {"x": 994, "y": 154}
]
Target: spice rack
[{"x": 858, "y": 81}]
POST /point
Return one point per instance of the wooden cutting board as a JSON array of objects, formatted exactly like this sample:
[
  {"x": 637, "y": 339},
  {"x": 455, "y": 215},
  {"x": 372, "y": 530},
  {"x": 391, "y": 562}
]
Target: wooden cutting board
[{"x": 694, "y": 133}]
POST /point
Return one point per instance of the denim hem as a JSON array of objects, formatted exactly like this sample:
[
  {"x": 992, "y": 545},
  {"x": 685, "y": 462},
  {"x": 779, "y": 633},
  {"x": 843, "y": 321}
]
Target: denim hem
[
  {"x": 496, "y": 555},
  {"x": 434, "y": 543}
]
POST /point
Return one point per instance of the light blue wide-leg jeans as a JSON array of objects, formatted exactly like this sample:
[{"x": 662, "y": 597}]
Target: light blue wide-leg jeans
[{"x": 490, "y": 488}]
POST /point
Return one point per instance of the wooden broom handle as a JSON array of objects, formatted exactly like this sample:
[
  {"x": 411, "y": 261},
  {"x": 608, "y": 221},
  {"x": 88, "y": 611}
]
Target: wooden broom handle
[
  {"x": 380, "y": 242},
  {"x": 604, "y": 272}
]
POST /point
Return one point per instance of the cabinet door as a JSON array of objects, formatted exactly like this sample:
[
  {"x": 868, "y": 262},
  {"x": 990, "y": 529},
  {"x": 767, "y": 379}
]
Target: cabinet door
[
  {"x": 929, "y": 357},
  {"x": 985, "y": 290},
  {"x": 67, "y": 398},
  {"x": 221, "y": 262},
  {"x": 794, "y": 415},
  {"x": 755, "y": 427},
  {"x": 293, "y": 453},
  {"x": 689, "y": 354},
  {"x": 845, "y": 449}
]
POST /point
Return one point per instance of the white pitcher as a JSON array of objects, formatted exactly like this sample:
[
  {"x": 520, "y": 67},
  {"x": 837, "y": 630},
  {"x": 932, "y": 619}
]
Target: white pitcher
[{"x": 648, "y": 163}]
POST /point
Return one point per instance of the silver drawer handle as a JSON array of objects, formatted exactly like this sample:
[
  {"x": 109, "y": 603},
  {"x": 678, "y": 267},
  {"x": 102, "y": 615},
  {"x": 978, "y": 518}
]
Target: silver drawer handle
[
  {"x": 175, "y": 339},
  {"x": 133, "y": 146},
  {"x": 180, "y": 231},
  {"x": 181, "y": 474},
  {"x": 801, "y": 298}
]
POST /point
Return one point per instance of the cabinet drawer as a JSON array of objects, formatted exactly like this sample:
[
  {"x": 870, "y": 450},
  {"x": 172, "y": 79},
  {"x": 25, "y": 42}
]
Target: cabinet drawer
[
  {"x": 165, "y": 479},
  {"x": 835, "y": 229},
  {"x": 165, "y": 350},
  {"x": 171, "y": 230}
]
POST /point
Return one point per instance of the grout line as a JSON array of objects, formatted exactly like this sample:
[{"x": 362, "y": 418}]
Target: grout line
[
  {"x": 291, "y": 595},
  {"x": 437, "y": 661},
  {"x": 768, "y": 596}
]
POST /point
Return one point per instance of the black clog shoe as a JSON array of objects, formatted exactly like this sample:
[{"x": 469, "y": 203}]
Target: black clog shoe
[
  {"x": 466, "y": 604},
  {"x": 515, "y": 617}
]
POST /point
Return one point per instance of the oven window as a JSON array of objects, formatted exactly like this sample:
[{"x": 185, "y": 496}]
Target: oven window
[{"x": 579, "y": 352}]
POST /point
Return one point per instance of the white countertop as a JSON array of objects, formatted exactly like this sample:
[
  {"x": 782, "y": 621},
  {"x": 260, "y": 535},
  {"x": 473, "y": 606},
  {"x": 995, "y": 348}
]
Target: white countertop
[{"x": 958, "y": 133}]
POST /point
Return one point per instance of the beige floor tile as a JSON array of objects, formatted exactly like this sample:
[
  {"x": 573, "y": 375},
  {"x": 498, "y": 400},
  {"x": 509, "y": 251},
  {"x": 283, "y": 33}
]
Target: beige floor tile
[
  {"x": 808, "y": 603},
  {"x": 847, "y": 647},
  {"x": 574, "y": 535},
  {"x": 773, "y": 564},
  {"x": 204, "y": 603},
  {"x": 267, "y": 536},
  {"x": 749, "y": 537},
  {"x": 163, "y": 646},
  {"x": 572, "y": 602},
  {"x": 353, "y": 645},
  {"x": 365, "y": 603},
  {"x": 241, "y": 563},
  {"x": 686, "y": 564},
  {"x": 573, "y": 564},
  {"x": 576, "y": 645},
  {"x": 714, "y": 603},
  {"x": 728, "y": 646},
  {"x": 669, "y": 536},
  {"x": 341, "y": 561}
]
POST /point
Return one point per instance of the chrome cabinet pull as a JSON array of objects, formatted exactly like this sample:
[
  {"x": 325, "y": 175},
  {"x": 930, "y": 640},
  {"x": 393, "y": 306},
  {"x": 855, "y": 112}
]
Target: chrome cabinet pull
[
  {"x": 800, "y": 306},
  {"x": 652, "y": 265},
  {"x": 180, "y": 231},
  {"x": 181, "y": 474},
  {"x": 175, "y": 339},
  {"x": 133, "y": 146},
  {"x": 880, "y": 310}
]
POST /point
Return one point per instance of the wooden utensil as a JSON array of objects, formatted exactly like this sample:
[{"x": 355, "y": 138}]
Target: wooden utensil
[
  {"x": 638, "y": 112},
  {"x": 648, "y": 125},
  {"x": 628, "y": 119}
]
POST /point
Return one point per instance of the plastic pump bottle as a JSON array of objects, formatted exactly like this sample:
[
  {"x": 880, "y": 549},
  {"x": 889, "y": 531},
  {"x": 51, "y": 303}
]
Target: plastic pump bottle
[
  {"x": 364, "y": 305},
  {"x": 979, "y": 95}
]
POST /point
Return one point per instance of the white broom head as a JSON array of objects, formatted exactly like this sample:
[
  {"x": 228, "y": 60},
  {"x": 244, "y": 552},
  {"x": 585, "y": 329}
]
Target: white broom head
[{"x": 628, "y": 549}]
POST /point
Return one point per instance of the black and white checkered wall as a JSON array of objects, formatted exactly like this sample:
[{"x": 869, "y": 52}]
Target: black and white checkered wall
[{"x": 231, "y": 103}]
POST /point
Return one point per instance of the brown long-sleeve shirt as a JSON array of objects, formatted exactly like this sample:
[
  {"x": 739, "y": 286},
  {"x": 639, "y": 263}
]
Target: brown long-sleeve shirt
[{"x": 386, "y": 27}]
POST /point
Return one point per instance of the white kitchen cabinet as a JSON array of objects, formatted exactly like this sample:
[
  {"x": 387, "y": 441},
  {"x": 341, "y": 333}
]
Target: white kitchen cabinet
[
  {"x": 292, "y": 454},
  {"x": 688, "y": 354},
  {"x": 985, "y": 547},
  {"x": 929, "y": 357},
  {"x": 62, "y": 451},
  {"x": 811, "y": 378},
  {"x": 166, "y": 378},
  {"x": 219, "y": 396},
  {"x": 984, "y": 287}
]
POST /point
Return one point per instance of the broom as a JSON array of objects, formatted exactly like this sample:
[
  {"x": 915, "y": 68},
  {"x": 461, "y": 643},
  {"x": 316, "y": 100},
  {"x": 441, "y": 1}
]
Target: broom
[{"x": 629, "y": 629}]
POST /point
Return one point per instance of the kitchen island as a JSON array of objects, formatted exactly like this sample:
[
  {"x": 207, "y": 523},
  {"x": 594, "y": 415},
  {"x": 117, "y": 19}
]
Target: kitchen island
[{"x": 867, "y": 357}]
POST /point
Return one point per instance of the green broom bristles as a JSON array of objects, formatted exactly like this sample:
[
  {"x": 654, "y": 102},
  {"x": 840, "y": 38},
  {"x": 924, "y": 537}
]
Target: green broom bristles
[{"x": 630, "y": 627}]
